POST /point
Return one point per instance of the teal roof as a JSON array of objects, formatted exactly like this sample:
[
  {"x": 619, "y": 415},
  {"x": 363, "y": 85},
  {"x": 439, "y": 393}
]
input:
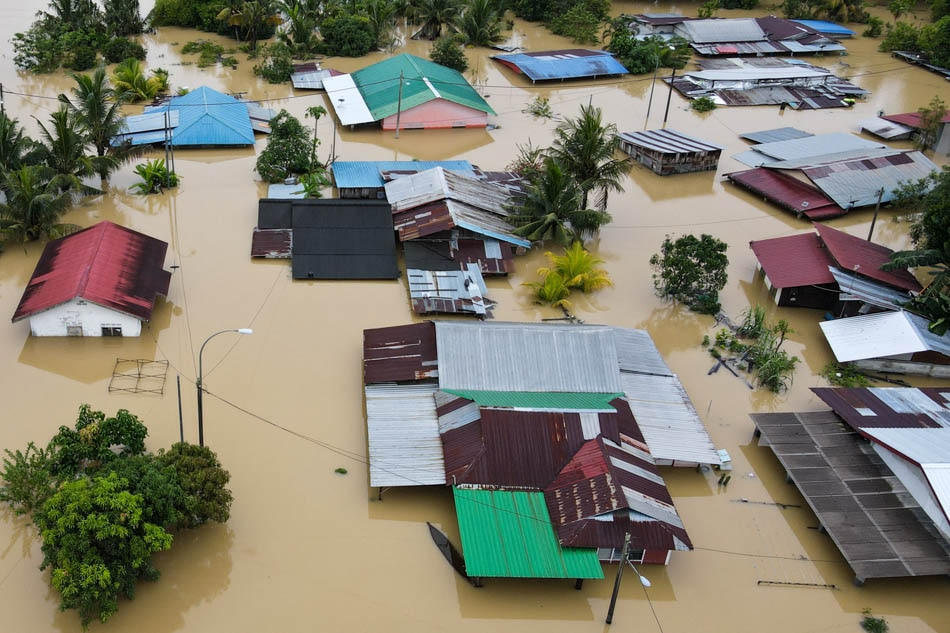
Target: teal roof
[
  {"x": 508, "y": 534},
  {"x": 423, "y": 81},
  {"x": 560, "y": 401}
]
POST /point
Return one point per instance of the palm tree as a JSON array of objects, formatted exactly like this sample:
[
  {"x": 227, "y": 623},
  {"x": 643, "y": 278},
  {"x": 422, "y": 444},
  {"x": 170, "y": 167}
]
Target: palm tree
[
  {"x": 16, "y": 149},
  {"x": 585, "y": 147},
  {"x": 552, "y": 210},
  {"x": 578, "y": 268},
  {"x": 300, "y": 34},
  {"x": 251, "y": 19},
  {"x": 480, "y": 22},
  {"x": 129, "y": 78},
  {"x": 63, "y": 148},
  {"x": 96, "y": 110},
  {"x": 551, "y": 289},
  {"x": 433, "y": 15},
  {"x": 36, "y": 198}
]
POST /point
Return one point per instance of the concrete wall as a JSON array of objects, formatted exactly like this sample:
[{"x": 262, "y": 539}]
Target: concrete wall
[
  {"x": 435, "y": 114},
  {"x": 78, "y": 313}
]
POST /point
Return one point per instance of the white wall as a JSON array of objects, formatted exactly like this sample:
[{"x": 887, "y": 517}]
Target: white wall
[{"x": 89, "y": 316}]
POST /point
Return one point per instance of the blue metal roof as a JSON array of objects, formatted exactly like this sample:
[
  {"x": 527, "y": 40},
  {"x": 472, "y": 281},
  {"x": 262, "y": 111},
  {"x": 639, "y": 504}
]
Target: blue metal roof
[
  {"x": 828, "y": 28},
  {"x": 368, "y": 173},
  {"x": 564, "y": 64},
  {"x": 209, "y": 117}
]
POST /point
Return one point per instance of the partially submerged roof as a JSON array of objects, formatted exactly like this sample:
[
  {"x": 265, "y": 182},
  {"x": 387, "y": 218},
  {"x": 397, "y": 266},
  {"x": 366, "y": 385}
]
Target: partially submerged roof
[
  {"x": 370, "y": 174},
  {"x": 888, "y": 407},
  {"x": 310, "y": 76},
  {"x": 106, "y": 264},
  {"x": 403, "y": 435},
  {"x": 715, "y": 30},
  {"x": 885, "y": 129},
  {"x": 910, "y": 119},
  {"x": 855, "y": 287},
  {"x": 787, "y": 192},
  {"x": 863, "y": 182},
  {"x": 882, "y": 335},
  {"x": 778, "y": 134},
  {"x": 811, "y": 146},
  {"x": 572, "y": 63},
  {"x": 508, "y": 534},
  {"x": 461, "y": 290},
  {"x": 828, "y": 28},
  {"x": 400, "y": 353},
  {"x": 864, "y": 257},
  {"x": 208, "y": 117},
  {"x": 793, "y": 260},
  {"x": 668, "y": 141}
]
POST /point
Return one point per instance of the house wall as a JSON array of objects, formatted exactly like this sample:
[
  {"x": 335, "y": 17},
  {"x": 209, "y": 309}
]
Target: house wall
[
  {"x": 438, "y": 113},
  {"x": 916, "y": 483},
  {"x": 942, "y": 146},
  {"x": 79, "y": 313},
  {"x": 665, "y": 163},
  {"x": 365, "y": 193}
]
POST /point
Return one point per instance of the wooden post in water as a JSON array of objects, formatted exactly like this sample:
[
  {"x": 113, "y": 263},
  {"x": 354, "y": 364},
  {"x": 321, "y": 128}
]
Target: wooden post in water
[{"x": 623, "y": 562}]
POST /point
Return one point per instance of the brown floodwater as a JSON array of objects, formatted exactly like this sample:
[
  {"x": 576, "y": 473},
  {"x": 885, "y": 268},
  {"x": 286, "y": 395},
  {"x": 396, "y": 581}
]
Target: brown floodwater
[{"x": 308, "y": 549}]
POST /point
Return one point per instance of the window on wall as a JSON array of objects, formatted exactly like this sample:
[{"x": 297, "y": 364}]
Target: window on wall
[
  {"x": 112, "y": 330},
  {"x": 73, "y": 330}
]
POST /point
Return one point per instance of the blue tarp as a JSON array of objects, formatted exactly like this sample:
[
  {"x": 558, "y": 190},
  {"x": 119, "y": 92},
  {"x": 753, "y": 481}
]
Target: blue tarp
[
  {"x": 827, "y": 28},
  {"x": 566, "y": 64},
  {"x": 349, "y": 174}
]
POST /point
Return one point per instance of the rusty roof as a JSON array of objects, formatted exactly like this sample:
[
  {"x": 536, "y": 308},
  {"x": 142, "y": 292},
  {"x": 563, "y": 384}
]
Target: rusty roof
[
  {"x": 794, "y": 260},
  {"x": 910, "y": 119},
  {"x": 866, "y": 258},
  {"x": 106, "y": 264},
  {"x": 888, "y": 407},
  {"x": 400, "y": 353},
  {"x": 272, "y": 243},
  {"x": 786, "y": 192}
]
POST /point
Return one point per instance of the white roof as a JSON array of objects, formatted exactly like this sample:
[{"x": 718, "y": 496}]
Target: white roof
[
  {"x": 405, "y": 448},
  {"x": 748, "y": 74},
  {"x": 730, "y": 30},
  {"x": 881, "y": 335},
  {"x": 347, "y": 101},
  {"x": 919, "y": 445}
]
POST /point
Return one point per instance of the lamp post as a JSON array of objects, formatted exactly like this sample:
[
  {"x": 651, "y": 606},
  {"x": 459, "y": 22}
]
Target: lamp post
[
  {"x": 200, "y": 387},
  {"x": 656, "y": 69}
]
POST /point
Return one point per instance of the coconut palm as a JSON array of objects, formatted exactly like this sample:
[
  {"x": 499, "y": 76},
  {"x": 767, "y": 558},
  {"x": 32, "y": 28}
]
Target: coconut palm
[
  {"x": 578, "y": 268},
  {"x": 63, "y": 148},
  {"x": 251, "y": 19},
  {"x": 96, "y": 109},
  {"x": 552, "y": 211},
  {"x": 16, "y": 149},
  {"x": 586, "y": 149},
  {"x": 433, "y": 15},
  {"x": 300, "y": 32},
  {"x": 129, "y": 78},
  {"x": 122, "y": 17},
  {"x": 36, "y": 198},
  {"x": 551, "y": 289},
  {"x": 480, "y": 22}
]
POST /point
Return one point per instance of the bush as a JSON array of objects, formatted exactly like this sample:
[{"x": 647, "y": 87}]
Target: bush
[
  {"x": 447, "y": 51},
  {"x": 155, "y": 177},
  {"x": 844, "y": 375},
  {"x": 703, "y": 104},
  {"x": 691, "y": 270},
  {"x": 901, "y": 36},
  {"x": 579, "y": 24},
  {"x": 347, "y": 36},
  {"x": 277, "y": 66},
  {"x": 875, "y": 27},
  {"x": 121, "y": 48}
]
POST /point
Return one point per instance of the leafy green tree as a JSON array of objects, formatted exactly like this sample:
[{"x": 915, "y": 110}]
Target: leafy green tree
[
  {"x": 935, "y": 41},
  {"x": 121, "y": 48},
  {"x": 382, "y": 20},
  {"x": 691, "y": 270},
  {"x": 552, "y": 211},
  {"x": 586, "y": 148},
  {"x": 530, "y": 162},
  {"x": 898, "y": 8},
  {"x": 27, "y": 480},
  {"x": 578, "y": 268},
  {"x": 901, "y": 36},
  {"x": 122, "y": 17},
  {"x": 581, "y": 23},
  {"x": 347, "y": 36},
  {"x": 203, "y": 481},
  {"x": 447, "y": 51},
  {"x": 97, "y": 544},
  {"x": 277, "y": 65},
  {"x": 299, "y": 31},
  {"x": 95, "y": 440},
  {"x": 931, "y": 118},
  {"x": 480, "y": 22},
  {"x": 289, "y": 149},
  {"x": 252, "y": 20},
  {"x": 708, "y": 9},
  {"x": 36, "y": 199}
]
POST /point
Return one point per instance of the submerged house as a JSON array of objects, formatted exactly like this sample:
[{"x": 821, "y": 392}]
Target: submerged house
[
  {"x": 574, "y": 63},
  {"x": 101, "y": 281},
  {"x": 368, "y": 178},
  {"x": 874, "y": 470},
  {"x": 668, "y": 152},
  {"x": 832, "y": 270},
  {"x": 555, "y": 420},
  {"x": 907, "y": 125},
  {"x": 201, "y": 118},
  {"x": 408, "y": 91}
]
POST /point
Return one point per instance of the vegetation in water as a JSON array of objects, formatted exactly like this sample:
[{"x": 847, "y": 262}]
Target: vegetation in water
[
  {"x": 703, "y": 104},
  {"x": 277, "y": 63},
  {"x": 756, "y": 347},
  {"x": 873, "y": 624},
  {"x": 691, "y": 270},
  {"x": 448, "y": 51},
  {"x": 844, "y": 375},
  {"x": 156, "y": 177},
  {"x": 540, "y": 107},
  {"x": 576, "y": 269}
]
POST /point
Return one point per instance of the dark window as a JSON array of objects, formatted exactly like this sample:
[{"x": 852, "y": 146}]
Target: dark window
[{"x": 112, "y": 330}]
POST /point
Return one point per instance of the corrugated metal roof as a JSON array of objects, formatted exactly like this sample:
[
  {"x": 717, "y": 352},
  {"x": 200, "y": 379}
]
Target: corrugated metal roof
[
  {"x": 527, "y": 357},
  {"x": 881, "y": 335},
  {"x": 833, "y": 157},
  {"x": 534, "y": 400},
  {"x": 864, "y": 257},
  {"x": 149, "y": 122},
  {"x": 106, "y": 264},
  {"x": 908, "y": 407},
  {"x": 670, "y": 425},
  {"x": 281, "y": 191},
  {"x": 714, "y": 30},
  {"x": 508, "y": 534},
  {"x": 857, "y": 288},
  {"x": 311, "y": 76},
  {"x": 858, "y": 183},
  {"x": 272, "y": 243},
  {"x": 920, "y": 446},
  {"x": 368, "y": 174},
  {"x": 637, "y": 353},
  {"x": 773, "y": 136},
  {"x": 438, "y": 184},
  {"x": 400, "y": 353},
  {"x": 422, "y": 81},
  {"x": 208, "y": 117},
  {"x": 668, "y": 141},
  {"x": 810, "y": 146},
  {"x": 786, "y": 192},
  {"x": 817, "y": 47},
  {"x": 448, "y": 291},
  {"x": 794, "y": 260},
  {"x": 405, "y": 448},
  {"x": 829, "y": 28},
  {"x": 347, "y": 101},
  {"x": 910, "y": 119},
  {"x": 563, "y": 64},
  {"x": 885, "y": 129}
]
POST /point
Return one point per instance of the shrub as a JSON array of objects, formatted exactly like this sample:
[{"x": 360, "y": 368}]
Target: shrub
[
  {"x": 120, "y": 48},
  {"x": 447, "y": 51},
  {"x": 691, "y": 270},
  {"x": 347, "y": 36},
  {"x": 277, "y": 66},
  {"x": 155, "y": 177},
  {"x": 703, "y": 104},
  {"x": 875, "y": 27},
  {"x": 844, "y": 375}
]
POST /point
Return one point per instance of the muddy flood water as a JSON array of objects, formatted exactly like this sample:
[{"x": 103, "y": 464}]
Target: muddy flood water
[{"x": 308, "y": 549}]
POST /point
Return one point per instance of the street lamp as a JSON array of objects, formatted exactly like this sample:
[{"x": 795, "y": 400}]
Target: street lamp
[
  {"x": 200, "y": 387},
  {"x": 656, "y": 69}
]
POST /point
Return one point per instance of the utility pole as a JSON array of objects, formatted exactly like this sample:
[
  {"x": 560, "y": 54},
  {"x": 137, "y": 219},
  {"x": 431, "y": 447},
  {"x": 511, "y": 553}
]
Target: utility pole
[
  {"x": 877, "y": 207},
  {"x": 669, "y": 97},
  {"x": 623, "y": 563},
  {"x": 399, "y": 104}
]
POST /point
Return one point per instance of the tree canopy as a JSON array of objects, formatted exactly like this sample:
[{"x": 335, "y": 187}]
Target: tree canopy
[{"x": 691, "y": 270}]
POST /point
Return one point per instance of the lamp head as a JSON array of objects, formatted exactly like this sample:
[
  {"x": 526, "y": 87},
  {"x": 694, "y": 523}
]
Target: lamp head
[{"x": 245, "y": 330}]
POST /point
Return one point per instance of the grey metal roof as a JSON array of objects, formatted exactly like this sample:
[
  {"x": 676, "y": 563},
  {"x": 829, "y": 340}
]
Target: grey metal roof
[
  {"x": 881, "y": 335},
  {"x": 309, "y": 79},
  {"x": 824, "y": 47},
  {"x": 810, "y": 146},
  {"x": 448, "y": 291},
  {"x": 438, "y": 184},
  {"x": 710, "y": 31},
  {"x": 885, "y": 129},
  {"x": 668, "y": 141},
  {"x": 281, "y": 191},
  {"x": 921, "y": 446},
  {"x": 860, "y": 288},
  {"x": 527, "y": 357},
  {"x": 637, "y": 353},
  {"x": 773, "y": 136},
  {"x": 368, "y": 174},
  {"x": 858, "y": 183},
  {"x": 405, "y": 448},
  {"x": 834, "y": 157},
  {"x": 670, "y": 425}
]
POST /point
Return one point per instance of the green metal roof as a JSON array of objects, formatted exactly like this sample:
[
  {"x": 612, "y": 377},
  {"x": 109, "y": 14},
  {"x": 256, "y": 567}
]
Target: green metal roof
[
  {"x": 423, "y": 81},
  {"x": 508, "y": 534},
  {"x": 560, "y": 401}
]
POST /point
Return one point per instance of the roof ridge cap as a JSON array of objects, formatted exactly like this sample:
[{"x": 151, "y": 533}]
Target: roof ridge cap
[{"x": 84, "y": 280}]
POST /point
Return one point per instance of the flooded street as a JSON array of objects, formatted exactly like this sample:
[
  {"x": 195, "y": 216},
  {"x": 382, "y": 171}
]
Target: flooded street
[{"x": 308, "y": 549}]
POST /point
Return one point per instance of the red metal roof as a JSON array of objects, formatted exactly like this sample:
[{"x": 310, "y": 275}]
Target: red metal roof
[
  {"x": 423, "y": 220},
  {"x": 910, "y": 119},
  {"x": 473, "y": 251},
  {"x": 106, "y": 264},
  {"x": 400, "y": 353},
  {"x": 272, "y": 243},
  {"x": 794, "y": 260},
  {"x": 892, "y": 407},
  {"x": 850, "y": 251},
  {"x": 788, "y": 193}
]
